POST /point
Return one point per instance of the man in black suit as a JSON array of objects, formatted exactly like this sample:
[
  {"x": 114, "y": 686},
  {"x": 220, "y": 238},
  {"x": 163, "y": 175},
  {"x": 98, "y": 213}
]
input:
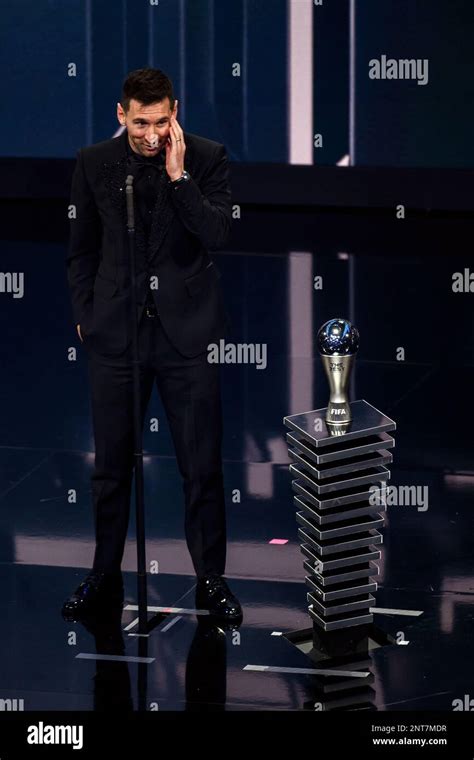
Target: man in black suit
[{"x": 183, "y": 210}]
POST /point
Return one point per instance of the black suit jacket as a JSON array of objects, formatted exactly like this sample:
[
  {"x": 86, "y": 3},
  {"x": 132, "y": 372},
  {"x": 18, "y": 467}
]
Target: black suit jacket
[{"x": 192, "y": 219}]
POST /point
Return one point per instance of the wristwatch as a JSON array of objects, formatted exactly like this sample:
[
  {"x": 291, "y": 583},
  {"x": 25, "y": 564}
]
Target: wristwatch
[{"x": 184, "y": 178}]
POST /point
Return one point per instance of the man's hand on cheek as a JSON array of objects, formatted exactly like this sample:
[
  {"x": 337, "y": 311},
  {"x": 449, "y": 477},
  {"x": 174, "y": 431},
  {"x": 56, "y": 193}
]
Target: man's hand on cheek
[{"x": 175, "y": 150}]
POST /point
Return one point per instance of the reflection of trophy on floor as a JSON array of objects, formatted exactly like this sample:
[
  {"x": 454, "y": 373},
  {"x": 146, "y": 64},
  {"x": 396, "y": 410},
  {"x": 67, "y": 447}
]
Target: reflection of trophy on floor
[
  {"x": 339, "y": 458},
  {"x": 348, "y": 685}
]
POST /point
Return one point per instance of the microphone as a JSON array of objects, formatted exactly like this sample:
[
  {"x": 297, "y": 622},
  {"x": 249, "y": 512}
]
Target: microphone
[{"x": 129, "y": 197}]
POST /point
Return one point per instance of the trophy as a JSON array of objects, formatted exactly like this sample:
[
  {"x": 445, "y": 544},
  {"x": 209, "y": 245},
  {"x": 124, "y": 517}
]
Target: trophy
[{"x": 338, "y": 341}]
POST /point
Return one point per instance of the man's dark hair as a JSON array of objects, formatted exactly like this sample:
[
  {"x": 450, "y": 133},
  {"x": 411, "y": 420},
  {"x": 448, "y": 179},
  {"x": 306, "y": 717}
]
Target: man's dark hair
[{"x": 147, "y": 86}]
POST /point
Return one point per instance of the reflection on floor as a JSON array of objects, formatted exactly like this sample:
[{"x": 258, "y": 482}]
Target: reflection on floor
[
  {"x": 416, "y": 338},
  {"x": 187, "y": 662}
]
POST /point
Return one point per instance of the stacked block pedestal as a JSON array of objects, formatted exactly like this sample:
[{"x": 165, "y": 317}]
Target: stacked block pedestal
[{"x": 340, "y": 477}]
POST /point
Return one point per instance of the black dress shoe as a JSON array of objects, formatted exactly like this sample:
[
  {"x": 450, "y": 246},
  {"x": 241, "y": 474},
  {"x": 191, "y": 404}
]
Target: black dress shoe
[
  {"x": 213, "y": 594},
  {"x": 98, "y": 590}
]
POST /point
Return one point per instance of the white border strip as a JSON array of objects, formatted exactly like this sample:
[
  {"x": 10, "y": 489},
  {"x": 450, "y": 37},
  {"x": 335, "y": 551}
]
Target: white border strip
[
  {"x": 170, "y": 624},
  {"x": 180, "y": 610},
  {"x": 114, "y": 658},
  {"x": 388, "y": 611},
  {"x": 309, "y": 671}
]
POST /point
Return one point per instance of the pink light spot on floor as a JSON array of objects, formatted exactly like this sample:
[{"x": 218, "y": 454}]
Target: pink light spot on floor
[{"x": 278, "y": 541}]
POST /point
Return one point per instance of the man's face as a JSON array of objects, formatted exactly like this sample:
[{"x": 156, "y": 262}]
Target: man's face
[{"x": 148, "y": 126}]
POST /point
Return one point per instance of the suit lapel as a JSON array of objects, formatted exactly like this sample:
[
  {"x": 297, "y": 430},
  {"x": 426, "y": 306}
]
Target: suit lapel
[{"x": 114, "y": 173}]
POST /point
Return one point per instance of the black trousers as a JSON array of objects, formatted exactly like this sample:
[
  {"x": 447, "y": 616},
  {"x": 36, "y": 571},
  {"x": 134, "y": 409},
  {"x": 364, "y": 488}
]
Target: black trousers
[{"x": 190, "y": 393}]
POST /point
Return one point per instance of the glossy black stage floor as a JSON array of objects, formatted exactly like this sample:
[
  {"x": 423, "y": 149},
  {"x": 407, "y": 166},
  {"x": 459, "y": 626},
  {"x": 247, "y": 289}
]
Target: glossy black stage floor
[{"x": 400, "y": 296}]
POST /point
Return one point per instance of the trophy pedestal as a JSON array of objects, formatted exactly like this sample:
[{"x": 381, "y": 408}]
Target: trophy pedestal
[{"x": 340, "y": 477}]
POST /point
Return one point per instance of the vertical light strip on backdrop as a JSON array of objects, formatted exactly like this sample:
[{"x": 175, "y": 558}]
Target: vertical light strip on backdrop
[
  {"x": 352, "y": 75},
  {"x": 300, "y": 81}
]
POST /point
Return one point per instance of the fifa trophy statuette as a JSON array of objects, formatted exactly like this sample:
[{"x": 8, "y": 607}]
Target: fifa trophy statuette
[{"x": 338, "y": 342}]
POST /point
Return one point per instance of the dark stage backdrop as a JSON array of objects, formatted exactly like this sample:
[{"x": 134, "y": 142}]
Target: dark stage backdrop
[{"x": 46, "y": 112}]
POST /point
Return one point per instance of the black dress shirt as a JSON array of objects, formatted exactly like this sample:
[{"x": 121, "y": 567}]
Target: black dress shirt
[{"x": 150, "y": 174}]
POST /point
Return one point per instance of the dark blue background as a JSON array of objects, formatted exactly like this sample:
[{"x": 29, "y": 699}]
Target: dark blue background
[{"x": 46, "y": 113}]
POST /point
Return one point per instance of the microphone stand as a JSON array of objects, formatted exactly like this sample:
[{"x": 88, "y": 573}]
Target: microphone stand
[{"x": 137, "y": 423}]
